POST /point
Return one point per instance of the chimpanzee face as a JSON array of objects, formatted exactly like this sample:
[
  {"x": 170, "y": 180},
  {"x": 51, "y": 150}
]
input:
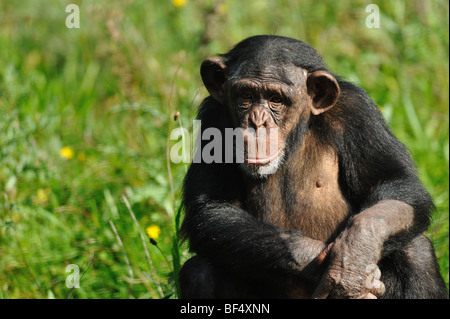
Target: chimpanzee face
[{"x": 267, "y": 101}]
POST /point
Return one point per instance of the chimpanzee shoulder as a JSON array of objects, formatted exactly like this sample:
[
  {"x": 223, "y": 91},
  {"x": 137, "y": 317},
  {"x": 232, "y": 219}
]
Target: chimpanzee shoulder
[
  {"x": 373, "y": 164},
  {"x": 213, "y": 114},
  {"x": 214, "y": 180}
]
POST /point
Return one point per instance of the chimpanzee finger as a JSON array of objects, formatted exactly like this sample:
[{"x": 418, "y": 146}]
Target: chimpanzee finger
[
  {"x": 377, "y": 288},
  {"x": 368, "y": 296},
  {"x": 324, "y": 254},
  {"x": 373, "y": 282},
  {"x": 324, "y": 288}
]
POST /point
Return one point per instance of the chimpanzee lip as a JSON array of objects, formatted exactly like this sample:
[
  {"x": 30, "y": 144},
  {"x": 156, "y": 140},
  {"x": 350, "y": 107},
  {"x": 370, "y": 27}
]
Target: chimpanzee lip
[{"x": 264, "y": 160}]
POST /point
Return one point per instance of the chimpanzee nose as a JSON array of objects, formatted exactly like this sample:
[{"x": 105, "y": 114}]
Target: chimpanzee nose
[{"x": 259, "y": 117}]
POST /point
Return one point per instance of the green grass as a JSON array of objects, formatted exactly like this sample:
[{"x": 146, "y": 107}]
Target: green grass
[{"x": 109, "y": 91}]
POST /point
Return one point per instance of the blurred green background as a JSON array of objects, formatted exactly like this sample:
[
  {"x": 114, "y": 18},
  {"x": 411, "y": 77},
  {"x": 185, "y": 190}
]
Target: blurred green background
[{"x": 85, "y": 115}]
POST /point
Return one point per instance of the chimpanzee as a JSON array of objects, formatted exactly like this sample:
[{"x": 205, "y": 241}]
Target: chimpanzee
[{"x": 336, "y": 202}]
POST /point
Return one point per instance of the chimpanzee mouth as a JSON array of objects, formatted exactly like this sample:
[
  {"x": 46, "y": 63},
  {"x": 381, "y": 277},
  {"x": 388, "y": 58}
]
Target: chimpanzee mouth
[
  {"x": 263, "y": 167},
  {"x": 263, "y": 160}
]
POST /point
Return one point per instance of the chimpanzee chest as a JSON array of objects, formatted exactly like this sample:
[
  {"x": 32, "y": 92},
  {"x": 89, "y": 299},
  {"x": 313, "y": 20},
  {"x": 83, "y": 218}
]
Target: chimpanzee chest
[{"x": 303, "y": 195}]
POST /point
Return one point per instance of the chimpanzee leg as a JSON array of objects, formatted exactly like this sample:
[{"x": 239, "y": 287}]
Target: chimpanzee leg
[
  {"x": 199, "y": 279},
  {"x": 196, "y": 279},
  {"x": 413, "y": 272}
]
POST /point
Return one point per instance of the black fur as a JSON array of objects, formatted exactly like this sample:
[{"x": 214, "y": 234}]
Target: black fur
[{"x": 240, "y": 255}]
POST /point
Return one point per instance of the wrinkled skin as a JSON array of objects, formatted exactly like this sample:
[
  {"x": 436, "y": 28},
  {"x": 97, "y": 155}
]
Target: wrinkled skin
[{"x": 350, "y": 273}]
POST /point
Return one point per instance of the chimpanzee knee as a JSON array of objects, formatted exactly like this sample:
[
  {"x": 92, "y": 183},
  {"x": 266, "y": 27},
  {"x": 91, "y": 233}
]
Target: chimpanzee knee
[
  {"x": 197, "y": 279},
  {"x": 414, "y": 272},
  {"x": 427, "y": 280}
]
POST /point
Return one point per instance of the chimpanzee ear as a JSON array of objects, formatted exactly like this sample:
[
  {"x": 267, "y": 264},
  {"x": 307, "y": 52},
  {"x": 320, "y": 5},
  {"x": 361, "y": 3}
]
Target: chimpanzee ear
[
  {"x": 213, "y": 75},
  {"x": 323, "y": 89}
]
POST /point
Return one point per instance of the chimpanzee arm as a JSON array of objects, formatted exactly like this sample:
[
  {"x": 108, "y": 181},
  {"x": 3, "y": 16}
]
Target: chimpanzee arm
[
  {"x": 222, "y": 232},
  {"x": 376, "y": 167},
  {"x": 378, "y": 177}
]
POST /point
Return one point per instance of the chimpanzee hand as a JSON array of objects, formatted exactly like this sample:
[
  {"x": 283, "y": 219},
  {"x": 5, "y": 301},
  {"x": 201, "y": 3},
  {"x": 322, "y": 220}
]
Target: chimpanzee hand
[{"x": 352, "y": 271}]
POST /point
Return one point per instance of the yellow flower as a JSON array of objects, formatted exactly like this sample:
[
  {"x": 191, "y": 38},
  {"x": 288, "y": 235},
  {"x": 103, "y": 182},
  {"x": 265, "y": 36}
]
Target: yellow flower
[
  {"x": 41, "y": 196},
  {"x": 179, "y": 3},
  {"x": 153, "y": 231},
  {"x": 66, "y": 152}
]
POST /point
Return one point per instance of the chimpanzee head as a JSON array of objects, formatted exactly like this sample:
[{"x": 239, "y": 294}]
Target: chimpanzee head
[{"x": 271, "y": 85}]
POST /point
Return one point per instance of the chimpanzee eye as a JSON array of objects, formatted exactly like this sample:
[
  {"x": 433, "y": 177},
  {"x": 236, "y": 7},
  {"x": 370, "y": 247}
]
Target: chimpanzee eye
[
  {"x": 245, "y": 99},
  {"x": 276, "y": 99},
  {"x": 276, "y": 102},
  {"x": 245, "y": 95}
]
